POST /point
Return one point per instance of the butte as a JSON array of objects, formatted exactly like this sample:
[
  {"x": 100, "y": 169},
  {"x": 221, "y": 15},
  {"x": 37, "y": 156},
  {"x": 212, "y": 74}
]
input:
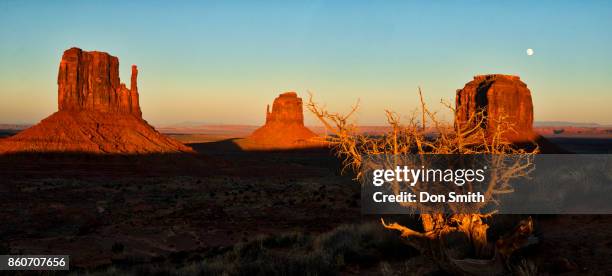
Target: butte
[
  {"x": 500, "y": 98},
  {"x": 96, "y": 113},
  {"x": 284, "y": 127}
]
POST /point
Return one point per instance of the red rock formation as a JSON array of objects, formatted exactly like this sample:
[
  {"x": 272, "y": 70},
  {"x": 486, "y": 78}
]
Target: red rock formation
[
  {"x": 286, "y": 110},
  {"x": 284, "y": 128},
  {"x": 91, "y": 132},
  {"x": 90, "y": 81},
  {"x": 498, "y": 97},
  {"x": 97, "y": 113},
  {"x": 134, "y": 100}
]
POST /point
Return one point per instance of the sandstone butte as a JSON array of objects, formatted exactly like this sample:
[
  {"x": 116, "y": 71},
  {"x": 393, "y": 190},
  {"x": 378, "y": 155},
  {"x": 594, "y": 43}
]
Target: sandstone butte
[
  {"x": 284, "y": 127},
  {"x": 497, "y": 96},
  {"x": 96, "y": 113}
]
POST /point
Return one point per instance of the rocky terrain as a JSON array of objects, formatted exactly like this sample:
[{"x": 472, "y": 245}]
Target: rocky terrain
[
  {"x": 97, "y": 113},
  {"x": 91, "y": 132}
]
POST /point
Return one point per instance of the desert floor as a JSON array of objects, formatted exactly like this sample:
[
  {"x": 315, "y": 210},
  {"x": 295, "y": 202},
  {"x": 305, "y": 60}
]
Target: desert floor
[{"x": 174, "y": 210}]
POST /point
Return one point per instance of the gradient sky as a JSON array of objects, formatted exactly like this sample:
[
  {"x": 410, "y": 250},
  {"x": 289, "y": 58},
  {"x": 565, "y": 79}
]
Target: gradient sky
[{"x": 224, "y": 61}]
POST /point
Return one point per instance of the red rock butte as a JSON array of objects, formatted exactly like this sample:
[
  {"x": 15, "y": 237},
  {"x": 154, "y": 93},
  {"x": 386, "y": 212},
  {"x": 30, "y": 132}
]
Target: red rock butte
[
  {"x": 90, "y": 81},
  {"x": 498, "y": 97},
  {"x": 97, "y": 113},
  {"x": 284, "y": 127}
]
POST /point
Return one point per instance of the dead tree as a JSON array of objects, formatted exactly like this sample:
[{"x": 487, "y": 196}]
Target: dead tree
[{"x": 458, "y": 241}]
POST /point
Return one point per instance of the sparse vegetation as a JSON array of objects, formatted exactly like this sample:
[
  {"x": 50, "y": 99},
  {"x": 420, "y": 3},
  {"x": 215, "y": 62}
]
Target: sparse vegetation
[{"x": 293, "y": 253}]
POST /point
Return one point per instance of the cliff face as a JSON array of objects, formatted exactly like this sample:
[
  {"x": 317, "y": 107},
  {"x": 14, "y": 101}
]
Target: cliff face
[
  {"x": 286, "y": 110},
  {"x": 498, "y": 97},
  {"x": 97, "y": 113},
  {"x": 284, "y": 128},
  {"x": 90, "y": 81}
]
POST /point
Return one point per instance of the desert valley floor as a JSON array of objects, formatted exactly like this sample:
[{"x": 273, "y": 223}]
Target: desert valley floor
[{"x": 175, "y": 209}]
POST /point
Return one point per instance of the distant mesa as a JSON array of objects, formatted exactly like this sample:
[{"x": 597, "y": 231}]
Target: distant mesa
[
  {"x": 97, "y": 113},
  {"x": 498, "y": 97},
  {"x": 284, "y": 127}
]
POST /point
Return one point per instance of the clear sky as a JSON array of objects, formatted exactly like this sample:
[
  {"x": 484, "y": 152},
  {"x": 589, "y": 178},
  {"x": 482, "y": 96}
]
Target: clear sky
[{"x": 224, "y": 61}]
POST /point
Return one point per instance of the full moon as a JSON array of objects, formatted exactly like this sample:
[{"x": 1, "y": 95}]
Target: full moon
[{"x": 530, "y": 52}]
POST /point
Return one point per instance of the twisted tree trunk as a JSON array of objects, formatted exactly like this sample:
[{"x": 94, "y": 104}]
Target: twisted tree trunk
[{"x": 458, "y": 243}]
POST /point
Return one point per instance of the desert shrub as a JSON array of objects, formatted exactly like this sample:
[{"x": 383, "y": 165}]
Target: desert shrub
[
  {"x": 363, "y": 244},
  {"x": 298, "y": 254}
]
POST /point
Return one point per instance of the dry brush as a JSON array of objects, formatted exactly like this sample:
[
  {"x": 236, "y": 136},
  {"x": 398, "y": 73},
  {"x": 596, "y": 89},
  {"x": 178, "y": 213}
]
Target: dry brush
[{"x": 458, "y": 241}]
